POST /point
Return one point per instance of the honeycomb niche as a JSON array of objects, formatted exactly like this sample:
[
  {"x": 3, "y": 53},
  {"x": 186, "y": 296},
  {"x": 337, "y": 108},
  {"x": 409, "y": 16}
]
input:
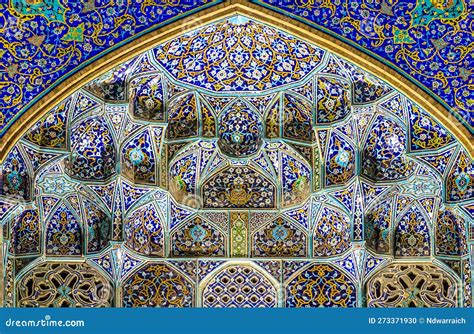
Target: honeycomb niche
[{"x": 237, "y": 166}]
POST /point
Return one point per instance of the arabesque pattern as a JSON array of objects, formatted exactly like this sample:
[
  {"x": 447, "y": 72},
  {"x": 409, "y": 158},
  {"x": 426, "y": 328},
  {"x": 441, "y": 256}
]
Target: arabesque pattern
[{"x": 301, "y": 182}]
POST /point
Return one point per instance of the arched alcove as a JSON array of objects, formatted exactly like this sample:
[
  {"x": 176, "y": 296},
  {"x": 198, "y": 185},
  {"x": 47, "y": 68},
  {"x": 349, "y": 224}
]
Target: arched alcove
[{"x": 246, "y": 150}]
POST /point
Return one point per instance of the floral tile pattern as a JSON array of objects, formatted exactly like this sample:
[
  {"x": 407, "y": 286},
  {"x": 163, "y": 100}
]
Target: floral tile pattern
[{"x": 319, "y": 191}]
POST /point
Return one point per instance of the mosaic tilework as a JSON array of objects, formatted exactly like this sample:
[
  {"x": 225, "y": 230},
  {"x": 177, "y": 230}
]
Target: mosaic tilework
[
  {"x": 450, "y": 234},
  {"x": 430, "y": 286},
  {"x": 412, "y": 237},
  {"x": 239, "y": 286},
  {"x": 26, "y": 234},
  {"x": 146, "y": 97},
  {"x": 64, "y": 285},
  {"x": 419, "y": 38},
  {"x": 144, "y": 231},
  {"x": 331, "y": 234},
  {"x": 239, "y": 187},
  {"x": 240, "y": 131},
  {"x": 53, "y": 38},
  {"x": 48, "y": 52},
  {"x": 139, "y": 159},
  {"x": 198, "y": 238},
  {"x": 51, "y": 130},
  {"x": 242, "y": 199},
  {"x": 166, "y": 288},
  {"x": 242, "y": 63},
  {"x": 63, "y": 233},
  {"x": 92, "y": 150},
  {"x": 280, "y": 238},
  {"x": 321, "y": 285},
  {"x": 383, "y": 154}
]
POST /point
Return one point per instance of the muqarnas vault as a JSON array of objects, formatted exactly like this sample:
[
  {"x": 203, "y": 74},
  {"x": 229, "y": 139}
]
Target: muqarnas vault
[{"x": 237, "y": 166}]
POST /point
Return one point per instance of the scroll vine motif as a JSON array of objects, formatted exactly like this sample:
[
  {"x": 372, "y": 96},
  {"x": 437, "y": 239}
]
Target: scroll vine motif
[
  {"x": 42, "y": 41},
  {"x": 426, "y": 39},
  {"x": 321, "y": 285},
  {"x": 157, "y": 285}
]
